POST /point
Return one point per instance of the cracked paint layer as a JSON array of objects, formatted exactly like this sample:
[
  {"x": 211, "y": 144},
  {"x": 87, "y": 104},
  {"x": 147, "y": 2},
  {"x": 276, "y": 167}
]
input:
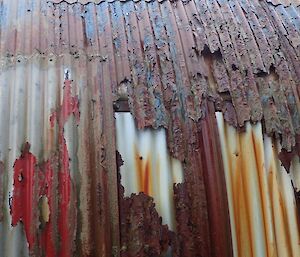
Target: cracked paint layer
[
  {"x": 26, "y": 183},
  {"x": 32, "y": 181},
  {"x": 67, "y": 216},
  {"x": 51, "y": 180}
]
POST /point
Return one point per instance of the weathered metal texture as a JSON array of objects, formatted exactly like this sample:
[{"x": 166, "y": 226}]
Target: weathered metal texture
[
  {"x": 142, "y": 232},
  {"x": 296, "y": 3},
  {"x": 168, "y": 58},
  {"x": 59, "y": 192},
  {"x": 148, "y": 167},
  {"x": 262, "y": 205},
  {"x": 201, "y": 212},
  {"x": 249, "y": 49},
  {"x": 201, "y": 232}
]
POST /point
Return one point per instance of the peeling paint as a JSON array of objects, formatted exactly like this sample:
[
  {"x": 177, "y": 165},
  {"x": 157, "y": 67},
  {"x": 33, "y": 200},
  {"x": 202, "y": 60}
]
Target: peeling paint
[
  {"x": 26, "y": 179},
  {"x": 69, "y": 106},
  {"x": 31, "y": 177}
]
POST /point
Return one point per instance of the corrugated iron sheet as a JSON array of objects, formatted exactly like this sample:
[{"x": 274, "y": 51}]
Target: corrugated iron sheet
[
  {"x": 63, "y": 65},
  {"x": 59, "y": 185},
  {"x": 148, "y": 167},
  {"x": 249, "y": 49},
  {"x": 262, "y": 205}
]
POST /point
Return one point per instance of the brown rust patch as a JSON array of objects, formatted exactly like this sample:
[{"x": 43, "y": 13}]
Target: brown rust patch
[
  {"x": 202, "y": 219},
  {"x": 142, "y": 232},
  {"x": 286, "y": 157}
]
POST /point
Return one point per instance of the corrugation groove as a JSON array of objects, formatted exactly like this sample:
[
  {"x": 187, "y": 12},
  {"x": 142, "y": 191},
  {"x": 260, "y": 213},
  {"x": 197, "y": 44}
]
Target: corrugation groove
[{"x": 262, "y": 204}]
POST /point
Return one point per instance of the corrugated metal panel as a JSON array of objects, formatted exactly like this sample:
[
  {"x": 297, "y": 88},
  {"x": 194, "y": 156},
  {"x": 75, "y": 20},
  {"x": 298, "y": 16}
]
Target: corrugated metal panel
[
  {"x": 262, "y": 205},
  {"x": 56, "y": 158},
  {"x": 59, "y": 176},
  {"x": 175, "y": 48},
  {"x": 169, "y": 57},
  {"x": 147, "y": 165},
  {"x": 202, "y": 224}
]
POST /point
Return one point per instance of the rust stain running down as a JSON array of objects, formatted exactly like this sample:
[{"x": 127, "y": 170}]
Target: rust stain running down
[
  {"x": 262, "y": 202},
  {"x": 142, "y": 232},
  {"x": 143, "y": 169}
]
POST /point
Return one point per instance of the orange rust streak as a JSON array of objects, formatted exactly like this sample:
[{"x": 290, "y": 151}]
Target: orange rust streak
[
  {"x": 147, "y": 178},
  {"x": 259, "y": 160},
  {"x": 286, "y": 225},
  {"x": 143, "y": 173}
]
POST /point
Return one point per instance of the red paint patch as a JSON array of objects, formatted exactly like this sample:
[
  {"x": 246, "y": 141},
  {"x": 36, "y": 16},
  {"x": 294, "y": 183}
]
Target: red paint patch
[
  {"x": 33, "y": 181},
  {"x": 24, "y": 198},
  {"x": 47, "y": 238},
  {"x": 70, "y": 105},
  {"x": 64, "y": 188}
]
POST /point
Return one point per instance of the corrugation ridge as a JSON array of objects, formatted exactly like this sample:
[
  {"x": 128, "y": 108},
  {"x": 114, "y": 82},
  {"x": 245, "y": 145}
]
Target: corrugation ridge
[
  {"x": 228, "y": 47},
  {"x": 168, "y": 78},
  {"x": 210, "y": 31},
  {"x": 152, "y": 65},
  {"x": 292, "y": 31},
  {"x": 142, "y": 107},
  {"x": 280, "y": 99},
  {"x": 252, "y": 46},
  {"x": 119, "y": 40},
  {"x": 194, "y": 88},
  {"x": 244, "y": 62},
  {"x": 260, "y": 37}
]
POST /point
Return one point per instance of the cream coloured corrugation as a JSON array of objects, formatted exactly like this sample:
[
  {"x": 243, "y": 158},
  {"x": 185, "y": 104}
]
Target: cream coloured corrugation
[
  {"x": 260, "y": 194},
  {"x": 147, "y": 165}
]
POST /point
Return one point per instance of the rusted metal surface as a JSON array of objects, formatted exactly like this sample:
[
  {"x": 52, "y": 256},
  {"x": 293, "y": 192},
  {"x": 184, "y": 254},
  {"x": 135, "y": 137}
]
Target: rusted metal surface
[
  {"x": 58, "y": 175},
  {"x": 199, "y": 231},
  {"x": 142, "y": 232},
  {"x": 253, "y": 47},
  {"x": 63, "y": 64},
  {"x": 148, "y": 167},
  {"x": 201, "y": 218},
  {"x": 263, "y": 208}
]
